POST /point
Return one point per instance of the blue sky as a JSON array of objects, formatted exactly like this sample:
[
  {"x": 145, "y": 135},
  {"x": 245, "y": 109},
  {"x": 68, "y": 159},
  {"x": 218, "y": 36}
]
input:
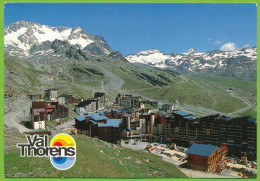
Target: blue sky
[{"x": 130, "y": 28}]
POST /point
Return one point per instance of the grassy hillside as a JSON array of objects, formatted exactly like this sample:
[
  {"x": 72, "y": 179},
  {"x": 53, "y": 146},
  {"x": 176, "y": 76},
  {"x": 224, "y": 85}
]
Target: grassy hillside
[
  {"x": 137, "y": 77},
  {"x": 231, "y": 83},
  {"x": 23, "y": 77},
  {"x": 195, "y": 92},
  {"x": 95, "y": 158},
  {"x": 82, "y": 78}
]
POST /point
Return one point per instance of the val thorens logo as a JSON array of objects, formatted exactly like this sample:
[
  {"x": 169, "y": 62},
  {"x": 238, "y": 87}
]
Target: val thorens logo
[{"x": 62, "y": 149}]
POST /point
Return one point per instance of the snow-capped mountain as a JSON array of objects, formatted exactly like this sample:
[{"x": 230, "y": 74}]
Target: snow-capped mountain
[
  {"x": 192, "y": 61},
  {"x": 151, "y": 57},
  {"x": 34, "y": 41},
  {"x": 20, "y": 37},
  {"x": 191, "y": 51}
]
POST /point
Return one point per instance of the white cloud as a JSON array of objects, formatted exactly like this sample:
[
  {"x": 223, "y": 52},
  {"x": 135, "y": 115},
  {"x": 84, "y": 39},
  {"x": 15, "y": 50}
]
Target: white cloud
[
  {"x": 218, "y": 42},
  {"x": 229, "y": 47},
  {"x": 210, "y": 39}
]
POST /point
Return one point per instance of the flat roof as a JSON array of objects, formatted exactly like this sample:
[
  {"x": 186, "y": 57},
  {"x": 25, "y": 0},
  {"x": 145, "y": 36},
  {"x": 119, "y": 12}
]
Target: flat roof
[
  {"x": 110, "y": 122},
  {"x": 252, "y": 120},
  {"x": 225, "y": 118},
  {"x": 181, "y": 113},
  {"x": 98, "y": 118}
]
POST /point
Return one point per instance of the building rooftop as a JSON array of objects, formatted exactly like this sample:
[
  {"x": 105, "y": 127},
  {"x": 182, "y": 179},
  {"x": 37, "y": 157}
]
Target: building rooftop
[
  {"x": 92, "y": 114},
  {"x": 224, "y": 118},
  {"x": 201, "y": 149},
  {"x": 101, "y": 113},
  {"x": 252, "y": 120},
  {"x": 110, "y": 122},
  {"x": 107, "y": 111},
  {"x": 81, "y": 117},
  {"x": 50, "y": 107},
  {"x": 49, "y": 110},
  {"x": 98, "y": 118},
  {"x": 127, "y": 115},
  {"x": 118, "y": 110},
  {"x": 181, "y": 113}
]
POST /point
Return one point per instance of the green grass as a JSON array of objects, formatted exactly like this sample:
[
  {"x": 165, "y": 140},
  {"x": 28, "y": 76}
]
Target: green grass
[
  {"x": 231, "y": 83},
  {"x": 92, "y": 83},
  {"x": 131, "y": 73},
  {"x": 148, "y": 106},
  {"x": 52, "y": 123},
  {"x": 195, "y": 92},
  {"x": 78, "y": 91},
  {"x": 249, "y": 112},
  {"x": 94, "y": 159}
]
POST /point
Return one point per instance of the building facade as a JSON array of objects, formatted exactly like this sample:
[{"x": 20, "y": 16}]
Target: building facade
[{"x": 207, "y": 158}]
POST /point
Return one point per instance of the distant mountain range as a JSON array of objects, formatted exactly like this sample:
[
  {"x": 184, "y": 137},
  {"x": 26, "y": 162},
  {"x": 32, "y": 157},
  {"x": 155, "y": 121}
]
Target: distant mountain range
[
  {"x": 233, "y": 64},
  {"x": 34, "y": 41}
]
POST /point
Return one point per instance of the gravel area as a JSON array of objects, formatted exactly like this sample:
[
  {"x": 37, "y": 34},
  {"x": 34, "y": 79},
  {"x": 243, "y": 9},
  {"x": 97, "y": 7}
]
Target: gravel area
[
  {"x": 67, "y": 124},
  {"x": 174, "y": 160}
]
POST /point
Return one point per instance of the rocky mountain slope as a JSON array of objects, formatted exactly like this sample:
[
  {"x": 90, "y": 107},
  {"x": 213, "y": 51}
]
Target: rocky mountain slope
[
  {"x": 25, "y": 39},
  {"x": 239, "y": 64}
]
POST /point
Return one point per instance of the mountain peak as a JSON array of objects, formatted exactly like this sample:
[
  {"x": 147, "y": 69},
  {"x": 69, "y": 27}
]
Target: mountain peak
[
  {"x": 150, "y": 51},
  {"x": 191, "y": 51},
  {"x": 77, "y": 29},
  {"x": 23, "y": 35}
]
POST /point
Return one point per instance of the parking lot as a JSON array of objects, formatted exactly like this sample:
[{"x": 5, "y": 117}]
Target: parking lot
[{"x": 177, "y": 157}]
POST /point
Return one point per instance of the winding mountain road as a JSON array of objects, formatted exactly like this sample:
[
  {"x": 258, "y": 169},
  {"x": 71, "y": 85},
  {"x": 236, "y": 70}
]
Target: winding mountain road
[
  {"x": 249, "y": 105},
  {"x": 12, "y": 120}
]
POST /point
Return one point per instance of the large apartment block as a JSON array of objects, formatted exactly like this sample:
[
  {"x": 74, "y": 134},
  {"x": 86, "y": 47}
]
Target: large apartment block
[{"x": 239, "y": 133}]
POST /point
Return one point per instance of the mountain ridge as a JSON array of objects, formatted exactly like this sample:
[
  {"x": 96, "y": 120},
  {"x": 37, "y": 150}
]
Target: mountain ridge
[
  {"x": 33, "y": 41},
  {"x": 212, "y": 62},
  {"x": 22, "y": 35}
]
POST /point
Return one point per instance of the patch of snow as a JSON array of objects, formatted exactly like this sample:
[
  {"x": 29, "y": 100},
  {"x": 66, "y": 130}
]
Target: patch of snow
[
  {"x": 81, "y": 41},
  {"x": 12, "y": 39},
  {"x": 45, "y": 33}
]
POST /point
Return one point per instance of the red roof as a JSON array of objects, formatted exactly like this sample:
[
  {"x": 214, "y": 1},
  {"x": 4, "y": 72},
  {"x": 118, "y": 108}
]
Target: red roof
[
  {"x": 51, "y": 107},
  {"x": 49, "y": 110}
]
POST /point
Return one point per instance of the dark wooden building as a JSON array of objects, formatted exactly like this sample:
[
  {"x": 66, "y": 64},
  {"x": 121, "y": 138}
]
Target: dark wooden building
[{"x": 207, "y": 158}]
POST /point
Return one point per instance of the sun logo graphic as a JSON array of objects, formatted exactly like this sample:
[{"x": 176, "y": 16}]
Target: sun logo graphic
[
  {"x": 67, "y": 146},
  {"x": 62, "y": 149}
]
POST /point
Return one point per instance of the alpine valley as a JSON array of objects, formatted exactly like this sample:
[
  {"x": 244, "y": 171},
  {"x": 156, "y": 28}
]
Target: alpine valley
[{"x": 77, "y": 61}]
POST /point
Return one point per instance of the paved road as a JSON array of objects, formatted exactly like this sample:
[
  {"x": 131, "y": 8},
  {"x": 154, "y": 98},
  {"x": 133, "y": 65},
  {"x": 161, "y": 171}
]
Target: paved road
[{"x": 12, "y": 120}]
